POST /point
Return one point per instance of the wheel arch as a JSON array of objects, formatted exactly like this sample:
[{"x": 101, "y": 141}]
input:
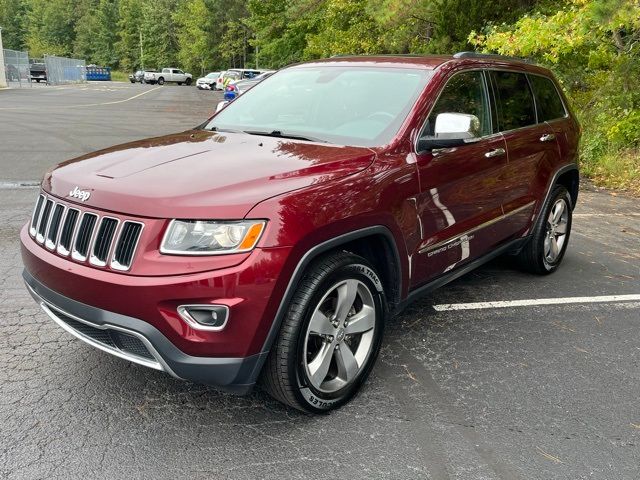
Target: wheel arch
[
  {"x": 570, "y": 179},
  {"x": 365, "y": 242}
]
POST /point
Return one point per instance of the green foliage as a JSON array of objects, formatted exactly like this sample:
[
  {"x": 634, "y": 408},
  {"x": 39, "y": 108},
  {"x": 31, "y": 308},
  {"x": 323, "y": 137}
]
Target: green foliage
[{"x": 594, "y": 47}]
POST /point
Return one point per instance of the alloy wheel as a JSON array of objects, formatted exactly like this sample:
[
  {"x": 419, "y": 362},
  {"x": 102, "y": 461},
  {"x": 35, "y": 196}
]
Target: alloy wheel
[
  {"x": 556, "y": 232},
  {"x": 340, "y": 336}
]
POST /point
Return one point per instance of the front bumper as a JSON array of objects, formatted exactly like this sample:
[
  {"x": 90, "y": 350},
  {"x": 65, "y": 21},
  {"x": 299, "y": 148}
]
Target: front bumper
[{"x": 140, "y": 342}]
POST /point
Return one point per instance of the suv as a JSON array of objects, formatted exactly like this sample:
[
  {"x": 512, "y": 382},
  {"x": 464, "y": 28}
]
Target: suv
[
  {"x": 38, "y": 72},
  {"x": 167, "y": 75},
  {"x": 272, "y": 243}
]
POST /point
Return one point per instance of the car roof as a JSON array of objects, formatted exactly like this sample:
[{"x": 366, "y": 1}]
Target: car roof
[{"x": 429, "y": 62}]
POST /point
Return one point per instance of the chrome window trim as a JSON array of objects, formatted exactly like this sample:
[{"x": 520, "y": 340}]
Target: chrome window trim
[
  {"x": 92, "y": 258},
  {"x": 113, "y": 263},
  {"x": 486, "y": 70},
  {"x": 75, "y": 255},
  {"x": 485, "y": 84},
  {"x": 62, "y": 250},
  {"x": 49, "y": 244},
  {"x": 488, "y": 223},
  {"x": 184, "y": 314}
]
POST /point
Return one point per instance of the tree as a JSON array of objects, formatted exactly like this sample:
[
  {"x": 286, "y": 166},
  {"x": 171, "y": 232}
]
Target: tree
[
  {"x": 193, "y": 19},
  {"x": 129, "y": 29},
  {"x": 50, "y": 27},
  {"x": 12, "y": 20}
]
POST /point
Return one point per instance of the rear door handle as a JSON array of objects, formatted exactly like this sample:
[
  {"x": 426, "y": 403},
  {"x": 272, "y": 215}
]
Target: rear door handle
[
  {"x": 547, "y": 137},
  {"x": 495, "y": 153}
]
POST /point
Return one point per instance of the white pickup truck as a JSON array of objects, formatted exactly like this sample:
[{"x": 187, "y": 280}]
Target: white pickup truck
[{"x": 168, "y": 75}]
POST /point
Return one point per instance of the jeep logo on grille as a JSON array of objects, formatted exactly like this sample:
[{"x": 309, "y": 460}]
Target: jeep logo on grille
[{"x": 81, "y": 194}]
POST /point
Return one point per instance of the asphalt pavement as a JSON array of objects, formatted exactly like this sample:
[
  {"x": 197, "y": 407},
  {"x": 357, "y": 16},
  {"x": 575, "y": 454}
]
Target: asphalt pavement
[{"x": 528, "y": 390}]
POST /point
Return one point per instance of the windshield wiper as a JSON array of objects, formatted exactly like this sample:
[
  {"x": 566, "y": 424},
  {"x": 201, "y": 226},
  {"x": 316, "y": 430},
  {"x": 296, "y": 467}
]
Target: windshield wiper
[
  {"x": 280, "y": 134},
  {"x": 224, "y": 130}
]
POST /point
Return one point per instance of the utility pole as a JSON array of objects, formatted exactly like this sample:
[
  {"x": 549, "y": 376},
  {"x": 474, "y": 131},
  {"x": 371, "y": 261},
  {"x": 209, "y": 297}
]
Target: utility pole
[
  {"x": 141, "y": 50},
  {"x": 3, "y": 80}
]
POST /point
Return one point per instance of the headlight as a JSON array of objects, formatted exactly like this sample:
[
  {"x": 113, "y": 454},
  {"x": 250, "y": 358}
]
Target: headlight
[{"x": 211, "y": 237}]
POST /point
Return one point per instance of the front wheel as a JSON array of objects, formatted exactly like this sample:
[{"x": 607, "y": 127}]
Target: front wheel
[
  {"x": 330, "y": 335},
  {"x": 187, "y": 82},
  {"x": 550, "y": 237}
]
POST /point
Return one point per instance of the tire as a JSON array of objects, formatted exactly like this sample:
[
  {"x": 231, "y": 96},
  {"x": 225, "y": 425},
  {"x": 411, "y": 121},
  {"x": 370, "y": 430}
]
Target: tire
[
  {"x": 188, "y": 82},
  {"x": 179, "y": 83},
  {"x": 545, "y": 250},
  {"x": 161, "y": 81},
  {"x": 297, "y": 353},
  {"x": 132, "y": 81}
]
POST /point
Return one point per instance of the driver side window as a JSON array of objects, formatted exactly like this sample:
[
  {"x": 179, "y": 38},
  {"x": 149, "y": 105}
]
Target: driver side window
[{"x": 464, "y": 93}]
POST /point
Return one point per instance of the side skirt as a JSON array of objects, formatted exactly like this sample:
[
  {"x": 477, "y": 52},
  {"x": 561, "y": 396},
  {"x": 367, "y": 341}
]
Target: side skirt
[{"x": 512, "y": 246}]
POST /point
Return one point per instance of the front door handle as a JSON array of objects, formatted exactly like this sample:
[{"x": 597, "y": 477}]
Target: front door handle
[
  {"x": 495, "y": 153},
  {"x": 547, "y": 137}
]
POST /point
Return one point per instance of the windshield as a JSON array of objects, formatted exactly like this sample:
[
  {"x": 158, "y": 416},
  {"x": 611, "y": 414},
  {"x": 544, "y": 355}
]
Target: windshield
[
  {"x": 359, "y": 106},
  {"x": 212, "y": 75}
]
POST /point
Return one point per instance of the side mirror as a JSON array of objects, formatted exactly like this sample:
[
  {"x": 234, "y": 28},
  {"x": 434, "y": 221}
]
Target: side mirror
[
  {"x": 221, "y": 105},
  {"x": 451, "y": 130}
]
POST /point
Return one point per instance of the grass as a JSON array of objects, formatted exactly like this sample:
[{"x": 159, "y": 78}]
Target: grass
[
  {"x": 619, "y": 170},
  {"x": 119, "y": 76}
]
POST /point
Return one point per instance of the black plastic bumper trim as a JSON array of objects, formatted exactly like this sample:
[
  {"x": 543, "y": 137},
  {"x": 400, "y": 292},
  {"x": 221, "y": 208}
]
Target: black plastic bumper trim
[{"x": 236, "y": 375}]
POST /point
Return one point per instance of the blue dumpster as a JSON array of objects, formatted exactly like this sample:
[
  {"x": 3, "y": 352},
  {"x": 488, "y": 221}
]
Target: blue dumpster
[{"x": 98, "y": 74}]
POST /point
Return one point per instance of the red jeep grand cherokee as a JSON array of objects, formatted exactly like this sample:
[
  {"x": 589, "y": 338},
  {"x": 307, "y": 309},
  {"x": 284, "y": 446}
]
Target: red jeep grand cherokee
[{"x": 273, "y": 242}]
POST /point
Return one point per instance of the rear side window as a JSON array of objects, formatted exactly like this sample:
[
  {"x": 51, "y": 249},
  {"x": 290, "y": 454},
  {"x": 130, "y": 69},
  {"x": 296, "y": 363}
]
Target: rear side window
[
  {"x": 548, "y": 100},
  {"x": 516, "y": 108}
]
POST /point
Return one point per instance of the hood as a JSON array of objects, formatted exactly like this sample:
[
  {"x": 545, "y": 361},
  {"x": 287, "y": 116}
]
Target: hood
[{"x": 200, "y": 174}]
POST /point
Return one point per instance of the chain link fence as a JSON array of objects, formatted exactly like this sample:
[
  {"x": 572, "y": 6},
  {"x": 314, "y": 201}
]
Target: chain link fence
[
  {"x": 16, "y": 68},
  {"x": 61, "y": 70}
]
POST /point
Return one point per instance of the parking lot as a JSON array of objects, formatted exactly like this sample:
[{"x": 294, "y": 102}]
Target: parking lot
[{"x": 526, "y": 390}]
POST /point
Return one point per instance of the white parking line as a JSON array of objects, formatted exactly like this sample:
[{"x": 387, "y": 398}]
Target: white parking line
[
  {"x": 536, "y": 301},
  {"x": 84, "y": 104},
  {"x": 629, "y": 214}
]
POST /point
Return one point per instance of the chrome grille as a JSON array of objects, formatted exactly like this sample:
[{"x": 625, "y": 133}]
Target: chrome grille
[
  {"x": 54, "y": 227},
  {"x": 84, "y": 236},
  {"x": 68, "y": 227},
  {"x": 44, "y": 221},
  {"x": 127, "y": 243},
  {"x": 102, "y": 240}
]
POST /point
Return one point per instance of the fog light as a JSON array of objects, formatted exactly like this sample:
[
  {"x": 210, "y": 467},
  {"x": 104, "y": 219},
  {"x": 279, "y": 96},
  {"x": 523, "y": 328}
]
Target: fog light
[{"x": 205, "y": 317}]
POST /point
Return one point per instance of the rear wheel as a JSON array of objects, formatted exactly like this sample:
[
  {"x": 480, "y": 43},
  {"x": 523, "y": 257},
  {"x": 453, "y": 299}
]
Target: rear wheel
[
  {"x": 161, "y": 81},
  {"x": 550, "y": 237},
  {"x": 179, "y": 83},
  {"x": 330, "y": 336}
]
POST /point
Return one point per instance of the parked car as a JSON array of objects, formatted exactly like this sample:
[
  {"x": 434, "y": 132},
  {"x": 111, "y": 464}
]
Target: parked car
[
  {"x": 168, "y": 75},
  {"x": 207, "y": 82},
  {"x": 38, "y": 72},
  {"x": 138, "y": 76},
  {"x": 237, "y": 88},
  {"x": 277, "y": 239},
  {"x": 234, "y": 74}
]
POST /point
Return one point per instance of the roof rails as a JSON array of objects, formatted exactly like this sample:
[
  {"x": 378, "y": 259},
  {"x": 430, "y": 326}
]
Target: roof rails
[{"x": 489, "y": 55}]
